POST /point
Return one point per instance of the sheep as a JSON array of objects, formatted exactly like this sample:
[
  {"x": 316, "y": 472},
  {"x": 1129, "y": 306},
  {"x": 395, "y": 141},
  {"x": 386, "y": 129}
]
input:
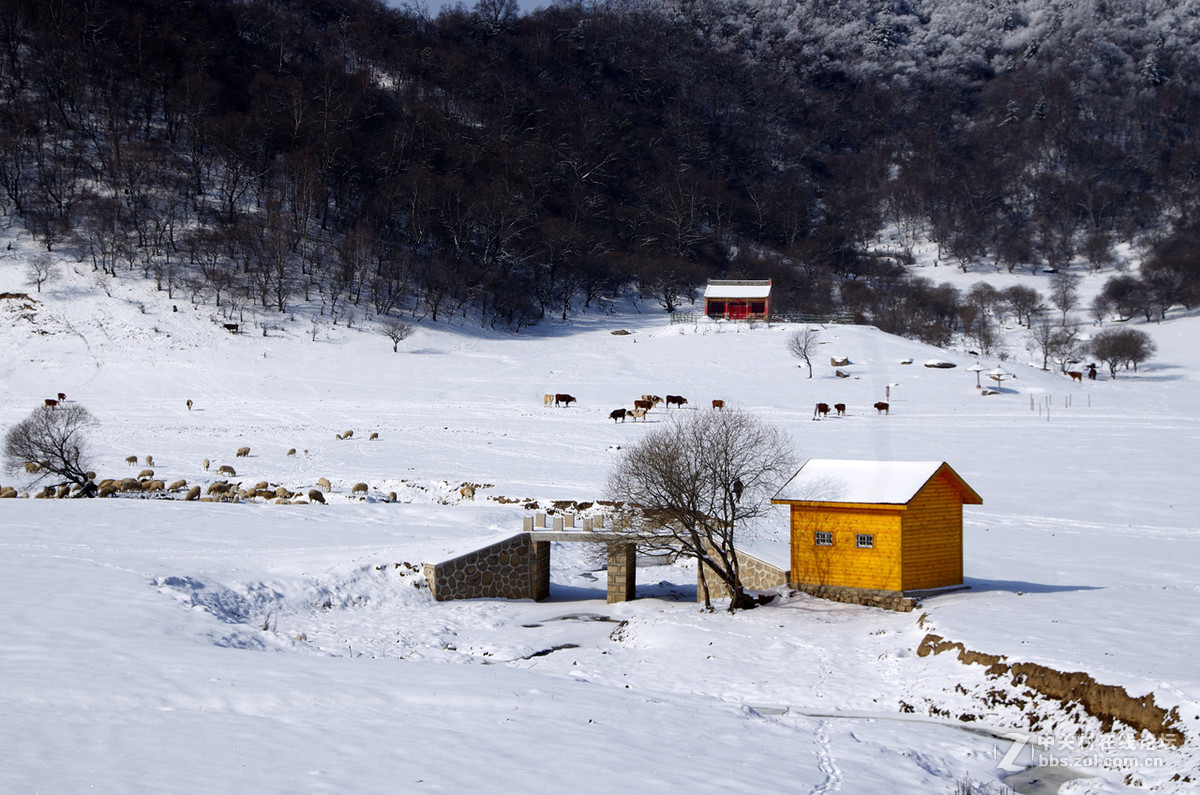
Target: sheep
[
  {"x": 242, "y": 452},
  {"x": 547, "y": 400},
  {"x": 262, "y": 484},
  {"x": 225, "y": 469},
  {"x": 220, "y": 487},
  {"x": 291, "y": 452},
  {"x": 323, "y": 484},
  {"x": 153, "y": 485},
  {"x": 193, "y": 494},
  {"x": 130, "y": 484},
  {"x": 206, "y": 465},
  {"x": 467, "y": 492},
  {"x": 149, "y": 460},
  {"x": 107, "y": 491},
  {"x": 391, "y": 496},
  {"x": 316, "y": 496},
  {"x": 265, "y": 494},
  {"x": 31, "y": 467},
  {"x": 189, "y": 404},
  {"x": 146, "y": 473},
  {"x": 178, "y": 485},
  {"x": 8, "y": 493},
  {"x": 359, "y": 488},
  {"x": 373, "y": 437},
  {"x": 64, "y": 492},
  {"x": 283, "y": 493},
  {"x": 131, "y": 460},
  {"x": 347, "y": 434}
]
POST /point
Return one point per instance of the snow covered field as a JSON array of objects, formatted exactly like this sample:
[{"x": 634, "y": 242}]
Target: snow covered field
[{"x": 233, "y": 647}]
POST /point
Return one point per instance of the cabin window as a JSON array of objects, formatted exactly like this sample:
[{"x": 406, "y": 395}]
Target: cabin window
[
  {"x": 823, "y": 539},
  {"x": 865, "y": 540},
  {"x": 758, "y": 307}
]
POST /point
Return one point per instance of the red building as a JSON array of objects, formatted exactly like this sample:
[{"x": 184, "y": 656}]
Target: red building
[{"x": 738, "y": 299}]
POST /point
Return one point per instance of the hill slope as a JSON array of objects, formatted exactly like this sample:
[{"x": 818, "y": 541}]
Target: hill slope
[{"x": 183, "y": 645}]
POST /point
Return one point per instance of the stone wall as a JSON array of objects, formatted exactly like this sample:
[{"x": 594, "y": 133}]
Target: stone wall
[
  {"x": 515, "y": 568},
  {"x": 757, "y": 575},
  {"x": 889, "y": 600}
]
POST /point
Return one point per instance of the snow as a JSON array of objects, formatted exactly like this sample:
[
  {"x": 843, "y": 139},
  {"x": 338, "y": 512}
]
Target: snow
[
  {"x": 193, "y": 647},
  {"x": 870, "y": 482}
]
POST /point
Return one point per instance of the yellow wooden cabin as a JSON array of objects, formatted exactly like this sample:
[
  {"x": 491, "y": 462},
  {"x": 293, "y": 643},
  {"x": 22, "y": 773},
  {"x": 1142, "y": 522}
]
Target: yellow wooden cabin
[{"x": 881, "y": 525}]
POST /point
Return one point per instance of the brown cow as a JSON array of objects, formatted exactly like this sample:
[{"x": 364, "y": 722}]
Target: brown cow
[
  {"x": 62, "y": 397},
  {"x": 718, "y": 405},
  {"x": 617, "y": 414},
  {"x": 51, "y": 403},
  {"x": 822, "y": 409},
  {"x": 644, "y": 405},
  {"x": 840, "y": 408},
  {"x": 232, "y": 328},
  {"x": 566, "y": 400},
  {"x": 676, "y": 400},
  {"x": 1076, "y": 375},
  {"x": 881, "y": 407}
]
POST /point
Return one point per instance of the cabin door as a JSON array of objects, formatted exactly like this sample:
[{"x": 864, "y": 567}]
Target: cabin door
[{"x": 738, "y": 311}]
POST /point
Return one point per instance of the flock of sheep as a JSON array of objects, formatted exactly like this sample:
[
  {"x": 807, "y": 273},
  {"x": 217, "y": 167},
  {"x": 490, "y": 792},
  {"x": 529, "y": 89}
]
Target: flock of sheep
[{"x": 218, "y": 491}]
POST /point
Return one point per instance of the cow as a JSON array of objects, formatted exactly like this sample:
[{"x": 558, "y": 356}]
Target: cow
[
  {"x": 1075, "y": 375},
  {"x": 547, "y": 400},
  {"x": 189, "y": 404},
  {"x": 638, "y": 414},
  {"x": 617, "y": 414},
  {"x": 718, "y": 405},
  {"x": 644, "y": 405},
  {"x": 566, "y": 400},
  {"x": 654, "y": 399},
  {"x": 51, "y": 403},
  {"x": 62, "y": 397},
  {"x": 1091, "y": 372},
  {"x": 881, "y": 407},
  {"x": 822, "y": 409},
  {"x": 676, "y": 400},
  {"x": 232, "y": 328}
]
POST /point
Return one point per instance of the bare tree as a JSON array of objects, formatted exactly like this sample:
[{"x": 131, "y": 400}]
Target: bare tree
[
  {"x": 1064, "y": 292},
  {"x": 397, "y": 331},
  {"x": 53, "y": 440},
  {"x": 1024, "y": 302},
  {"x": 1050, "y": 341},
  {"x": 1122, "y": 346},
  {"x": 803, "y": 345},
  {"x": 41, "y": 269},
  {"x": 701, "y": 478}
]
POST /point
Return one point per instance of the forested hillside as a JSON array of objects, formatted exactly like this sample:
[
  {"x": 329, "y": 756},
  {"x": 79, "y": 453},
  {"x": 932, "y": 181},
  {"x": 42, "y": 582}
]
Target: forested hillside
[{"x": 507, "y": 168}]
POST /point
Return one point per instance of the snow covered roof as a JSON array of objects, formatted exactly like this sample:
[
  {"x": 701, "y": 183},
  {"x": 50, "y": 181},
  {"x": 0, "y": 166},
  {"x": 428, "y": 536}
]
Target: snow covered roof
[
  {"x": 738, "y": 288},
  {"x": 879, "y": 482}
]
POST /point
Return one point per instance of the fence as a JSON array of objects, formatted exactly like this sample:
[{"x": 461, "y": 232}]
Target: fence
[{"x": 843, "y": 318}]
